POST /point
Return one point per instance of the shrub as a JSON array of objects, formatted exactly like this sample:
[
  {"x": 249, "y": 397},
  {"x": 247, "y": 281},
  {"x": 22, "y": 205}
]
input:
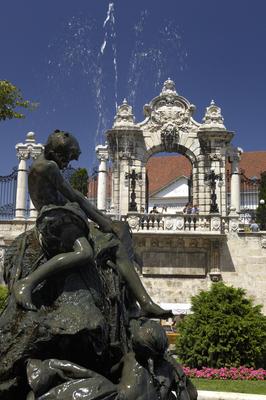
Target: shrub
[
  {"x": 3, "y": 296},
  {"x": 225, "y": 330}
]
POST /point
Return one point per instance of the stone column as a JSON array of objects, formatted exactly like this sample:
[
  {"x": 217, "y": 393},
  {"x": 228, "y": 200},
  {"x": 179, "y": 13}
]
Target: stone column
[
  {"x": 33, "y": 211},
  {"x": 21, "y": 185},
  {"x": 235, "y": 180},
  {"x": 102, "y": 155},
  {"x": 29, "y": 149}
]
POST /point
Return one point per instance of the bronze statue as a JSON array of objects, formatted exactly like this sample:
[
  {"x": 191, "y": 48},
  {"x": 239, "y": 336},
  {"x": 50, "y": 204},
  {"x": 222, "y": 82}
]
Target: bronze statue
[
  {"x": 145, "y": 373},
  {"x": 63, "y": 228},
  {"x": 75, "y": 310}
]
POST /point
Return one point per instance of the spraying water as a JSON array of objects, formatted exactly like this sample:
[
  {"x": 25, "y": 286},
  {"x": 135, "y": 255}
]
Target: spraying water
[
  {"x": 154, "y": 58},
  {"x": 88, "y": 48}
]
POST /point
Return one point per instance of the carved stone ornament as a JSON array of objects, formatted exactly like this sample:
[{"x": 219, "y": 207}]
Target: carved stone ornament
[
  {"x": 22, "y": 154},
  {"x": 180, "y": 223},
  {"x": 215, "y": 276},
  {"x": 168, "y": 223},
  {"x": 123, "y": 145},
  {"x": 102, "y": 152},
  {"x": 213, "y": 118},
  {"x": 133, "y": 222},
  {"x": 169, "y": 87},
  {"x": 215, "y": 224},
  {"x": 124, "y": 116},
  {"x": 169, "y": 137},
  {"x": 234, "y": 224},
  {"x": 263, "y": 242},
  {"x": 169, "y": 107},
  {"x": 29, "y": 149},
  {"x": 215, "y": 157}
]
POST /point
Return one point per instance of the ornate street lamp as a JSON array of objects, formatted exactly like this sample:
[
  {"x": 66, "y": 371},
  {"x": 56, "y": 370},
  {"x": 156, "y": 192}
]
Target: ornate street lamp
[
  {"x": 211, "y": 179},
  {"x": 133, "y": 177}
]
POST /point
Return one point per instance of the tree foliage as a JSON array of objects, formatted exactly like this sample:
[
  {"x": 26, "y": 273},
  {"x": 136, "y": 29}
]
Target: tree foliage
[
  {"x": 10, "y": 99},
  {"x": 225, "y": 330},
  {"x": 79, "y": 180},
  {"x": 261, "y": 210}
]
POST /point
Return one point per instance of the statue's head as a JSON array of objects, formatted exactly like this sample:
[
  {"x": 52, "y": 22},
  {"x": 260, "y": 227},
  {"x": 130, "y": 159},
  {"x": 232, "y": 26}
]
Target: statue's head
[
  {"x": 149, "y": 339},
  {"x": 61, "y": 147}
]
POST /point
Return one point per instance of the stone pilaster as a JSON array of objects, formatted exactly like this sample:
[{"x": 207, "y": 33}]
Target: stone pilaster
[
  {"x": 214, "y": 139},
  {"x": 215, "y": 270},
  {"x": 125, "y": 140}
]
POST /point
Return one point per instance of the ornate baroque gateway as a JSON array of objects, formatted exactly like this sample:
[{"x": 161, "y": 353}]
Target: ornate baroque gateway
[{"x": 169, "y": 127}]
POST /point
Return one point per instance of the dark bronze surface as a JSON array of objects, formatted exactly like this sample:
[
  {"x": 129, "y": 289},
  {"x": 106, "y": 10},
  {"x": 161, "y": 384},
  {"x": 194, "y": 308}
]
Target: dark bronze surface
[{"x": 76, "y": 324}]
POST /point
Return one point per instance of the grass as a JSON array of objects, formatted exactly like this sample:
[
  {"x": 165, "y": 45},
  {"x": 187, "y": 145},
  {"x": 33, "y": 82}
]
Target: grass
[{"x": 218, "y": 385}]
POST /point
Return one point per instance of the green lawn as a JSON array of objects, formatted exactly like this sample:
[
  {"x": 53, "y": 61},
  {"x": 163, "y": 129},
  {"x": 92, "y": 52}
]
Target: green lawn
[{"x": 255, "y": 387}]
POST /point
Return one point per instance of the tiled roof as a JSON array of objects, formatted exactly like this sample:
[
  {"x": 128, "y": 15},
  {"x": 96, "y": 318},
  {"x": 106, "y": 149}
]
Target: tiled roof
[
  {"x": 166, "y": 169},
  {"x": 253, "y": 163}
]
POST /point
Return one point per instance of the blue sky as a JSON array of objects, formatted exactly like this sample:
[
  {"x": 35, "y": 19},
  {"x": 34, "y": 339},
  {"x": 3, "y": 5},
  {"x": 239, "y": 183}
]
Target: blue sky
[{"x": 60, "y": 54}]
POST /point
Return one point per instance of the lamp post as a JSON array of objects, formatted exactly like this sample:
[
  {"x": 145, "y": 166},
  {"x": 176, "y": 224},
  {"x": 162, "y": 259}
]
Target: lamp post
[
  {"x": 262, "y": 214},
  {"x": 133, "y": 177},
  {"x": 210, "y": 179}
]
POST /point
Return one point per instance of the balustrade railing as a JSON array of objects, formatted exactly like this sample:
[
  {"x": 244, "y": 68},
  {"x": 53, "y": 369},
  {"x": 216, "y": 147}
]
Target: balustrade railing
[{"x": 180, "y": 222}]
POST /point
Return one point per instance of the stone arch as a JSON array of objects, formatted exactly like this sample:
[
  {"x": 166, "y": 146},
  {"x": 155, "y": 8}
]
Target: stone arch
[{"x": 187, "y": 153}]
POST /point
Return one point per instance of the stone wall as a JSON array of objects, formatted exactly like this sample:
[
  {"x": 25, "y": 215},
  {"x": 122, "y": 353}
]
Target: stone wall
[{"x": 242, "y": 263}]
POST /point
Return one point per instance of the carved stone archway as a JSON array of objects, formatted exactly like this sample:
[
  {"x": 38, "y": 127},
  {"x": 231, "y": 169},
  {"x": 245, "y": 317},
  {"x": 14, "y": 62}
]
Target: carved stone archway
[{"x": 168, "y": 126}]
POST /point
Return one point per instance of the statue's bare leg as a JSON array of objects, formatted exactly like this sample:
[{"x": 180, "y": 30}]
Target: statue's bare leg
[
  {"x": 82, "y": 253},
  {"x": 127, "y": 270}
]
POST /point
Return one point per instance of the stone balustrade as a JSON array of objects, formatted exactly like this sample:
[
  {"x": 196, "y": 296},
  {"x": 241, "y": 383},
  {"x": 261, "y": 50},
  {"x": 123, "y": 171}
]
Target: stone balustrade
[{"x": 179, "y": 222}]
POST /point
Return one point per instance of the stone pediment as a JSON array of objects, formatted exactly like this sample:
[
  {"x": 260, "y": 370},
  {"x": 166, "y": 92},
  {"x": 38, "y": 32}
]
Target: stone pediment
[{"x": 169, "y": 112}]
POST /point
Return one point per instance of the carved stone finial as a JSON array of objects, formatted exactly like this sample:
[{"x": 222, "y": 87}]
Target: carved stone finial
[
  {"x": 30, "y": 137},
  {"x": 213, "y": 118},
  {"x": 169, "y": 87},
  {"x": 124, "y": 116}
]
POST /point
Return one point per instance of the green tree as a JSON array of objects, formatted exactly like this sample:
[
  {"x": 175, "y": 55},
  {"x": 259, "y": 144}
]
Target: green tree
[
  {"x": 225, "y": 329},
  {"x": 10, "y": 99},
  {"x": 261, "y": 210},
  {"x": 79, "y": 180}
]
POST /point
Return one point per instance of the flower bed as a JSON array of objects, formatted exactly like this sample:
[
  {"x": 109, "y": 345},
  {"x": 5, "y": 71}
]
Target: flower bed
[{"x": 241, "y": 373}]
